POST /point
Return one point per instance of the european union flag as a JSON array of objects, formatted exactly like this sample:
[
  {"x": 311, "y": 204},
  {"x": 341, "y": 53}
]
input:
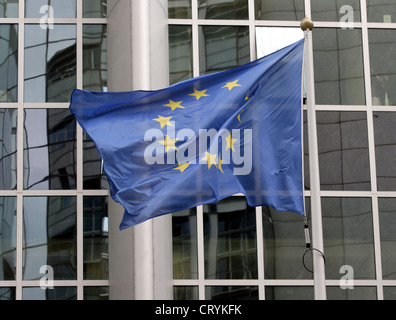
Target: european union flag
[{"x": 203, "y": 139}]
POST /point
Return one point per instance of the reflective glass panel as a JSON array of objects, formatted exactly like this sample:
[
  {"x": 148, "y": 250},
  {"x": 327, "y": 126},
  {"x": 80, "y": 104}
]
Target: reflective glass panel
[
  {"x": 284, "y": 245},
  {"x": 348, "y": 236},
  {"x": 381, "y": 11},
  {"x": 96, "y": 293},
  {"x": 185, "y": 256},
  {"x": 94, "y": 8},
  {"x": 343, "y": 150},
  {"x": 387, "y": 220},
  {"x": 179, "y": 9},
  {"x": 230, "y": 240},
  {"x": 8, "y": 8},
  {"x": 95, "y": 57},
  {"x": 49, "y": 237},
  {"x": 338, "y": 66},
  {"x": 93, "y": 175},
  {"x": 50, "y": 63},
  {"x": 8, "y": 62},
  {"x": 334, "y": 10},
  {"x": 49, "y": 149},
  {"x": 185, "y": 293},
  {"x": 180, "y": 53},
  {"x": 7, "y": 238},
  {"x": 389, "y": 293},
  {"x": 279, "y": 9},
  {"x": 385, "y": 150},
  {"x": 223, "y": 9},
  {"x": 7, "y": 293},
  {"x": 57, "y": 293},
  {"x": 8, "y": 148},
  {"x": 289, "y": 293},
  {"x": 96, "y": 247},
  {"x": 382, "y": 66},
  {"x": 357, "y": 293},
  {"x": 231, "y": 293},
  {"x": 50, "y": 8},
  {"x": 222, "y": 48}
]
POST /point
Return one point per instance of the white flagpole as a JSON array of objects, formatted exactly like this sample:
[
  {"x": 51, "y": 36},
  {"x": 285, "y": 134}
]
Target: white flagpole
[{"x": 316, "y": 209}]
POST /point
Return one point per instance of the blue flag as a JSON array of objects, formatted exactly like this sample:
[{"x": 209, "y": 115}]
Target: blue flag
[{"x": 203, "y": 139}]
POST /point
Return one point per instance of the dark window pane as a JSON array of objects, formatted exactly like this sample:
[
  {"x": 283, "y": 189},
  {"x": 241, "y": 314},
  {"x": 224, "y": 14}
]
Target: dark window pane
[
  {"x": 348, "y": 236},
  {"x": 7, "y": 293},
  {"x": 7, "y": 239},
  {"x": 179, "y": 9},
  {"x": 230, "y": 240},
  {"x": 8, "y": 147},
  {"x": 50, "y": 8},
  {"x": 50, "y": 237},
  {"x": 343, "y": 150},
  {"x": 94, "y": 8},
  {"x": 95, "y": 57},
  {"x": 343, "y": 82},
  {"x": 333, "y": 10},
  {"x": 8, "y": 63},
  {"x": 389, "y": 293},
  {"x": 289, "y": 293},
  {"x": 96, "y": 293},
  {"x": 185, "y": 293},
  {"x": 382, "y": 66},
  {"x": 93, "y": 175},
  {"x": 8, "y": 8},
  {"x": 49, "y": 149},
  {"x": 180, "y": 53},
  {"x": 357, "y": 293},
  {"x": 381, "y": 11},
  {"x": 57, "y": 293},
  {"x": 279, "y": 9},
  {"x": 95, "y": 230},
  {"x": 223, "y": 9},
  {"x": 223, "y": 48},
  {"x": 50, "y": 63},
  {"x": 385, "y": 150},
  {"x": 231, "y": 293}
]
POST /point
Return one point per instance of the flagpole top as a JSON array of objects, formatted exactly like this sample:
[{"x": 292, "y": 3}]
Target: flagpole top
[{"x": 306, "y": 23}]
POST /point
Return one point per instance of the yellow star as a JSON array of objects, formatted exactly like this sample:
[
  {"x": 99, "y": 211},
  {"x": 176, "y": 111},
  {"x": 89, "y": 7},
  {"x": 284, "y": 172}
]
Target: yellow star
[
  {"x": 182, "y": 167},
  {"x": 231, "y": 85},
  {"x": 230, "y": 142},
  {"x": 239, "y": 115},
  {"x": 199, "y": 94},
  {"x": 164, "y": 121},
  {"x": 220, "y": 163},
  {"x": 169, "y": 143},
  {"x": 173, "y": 105},
  {"x": 210, "y": 158},
  {"x": 246, "y": 97}
]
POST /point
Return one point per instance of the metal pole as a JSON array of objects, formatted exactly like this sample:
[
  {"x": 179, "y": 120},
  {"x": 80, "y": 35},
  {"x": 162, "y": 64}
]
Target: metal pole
[{"x": 316, "y": 209}]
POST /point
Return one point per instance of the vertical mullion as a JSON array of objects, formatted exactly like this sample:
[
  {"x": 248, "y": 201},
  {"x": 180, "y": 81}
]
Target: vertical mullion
[
  {"x": 195, "y": 37},
  {"x": 260, "y": 252},
  {"x": 201, "y": 254},
  {"x": 252, "y": 32}
]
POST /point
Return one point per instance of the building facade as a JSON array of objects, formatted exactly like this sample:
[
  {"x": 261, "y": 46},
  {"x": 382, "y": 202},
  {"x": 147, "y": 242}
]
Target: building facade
[{"x": 59, "y": 236}]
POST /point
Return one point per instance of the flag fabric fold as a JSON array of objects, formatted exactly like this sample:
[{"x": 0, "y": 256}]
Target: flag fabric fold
[{"x": 203, "y": 139}]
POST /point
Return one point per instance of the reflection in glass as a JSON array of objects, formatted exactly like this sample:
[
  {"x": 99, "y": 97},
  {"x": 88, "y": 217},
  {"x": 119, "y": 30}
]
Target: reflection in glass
[
  {"x": 96, "y": 293},
  {"x": 49, "y": 237},
  {"x": 7, "y": 238},
  {"x": 385, "y": 150},
  {"x": 222, "y": 48},
  {"x": 387, "y": 221},
  {"x": 338, "y": 66},
  {"x": 284, "y": 244},
  {"x": 7, "y": 293},
  {"x": 382, "y": 66},
  {"x": 50, "y": 63},
  {"x": 8, "y": 8},
  {"x": 333, "y": 10},
  {"x": 93, "y": 175},
  {"x": 348, "y": 236},
  {"x": 223, "y": 9},
  {"x": 185, "y": 293},
  {"x": 8, "y": 147},
  {"x": 358, "y": 293},
  {"x": 180, "y": 53},
  {"x": 179, "y": 9},
  {"x": 184, "y": 233},
  {"x": 95, "y": 57},
  {"x": 231, "y": 293},
  {"x": 52, "y": 8},
  {"x": 343, "y": 150},
  {"x": 8, "y": 62},
  {"x": 389, "y": 293},
  {"x": 289, "y": 293},
  {"x": 230, "y": 240},
  {"x": 279, "y": 9},
  {"x": 57, "y": 293},
  {"x": 94, "y": 8},
  {"x": 95, "y": 233},
  {"x": 381, "y": 11},
  {"x": 49, "y": 149}
]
